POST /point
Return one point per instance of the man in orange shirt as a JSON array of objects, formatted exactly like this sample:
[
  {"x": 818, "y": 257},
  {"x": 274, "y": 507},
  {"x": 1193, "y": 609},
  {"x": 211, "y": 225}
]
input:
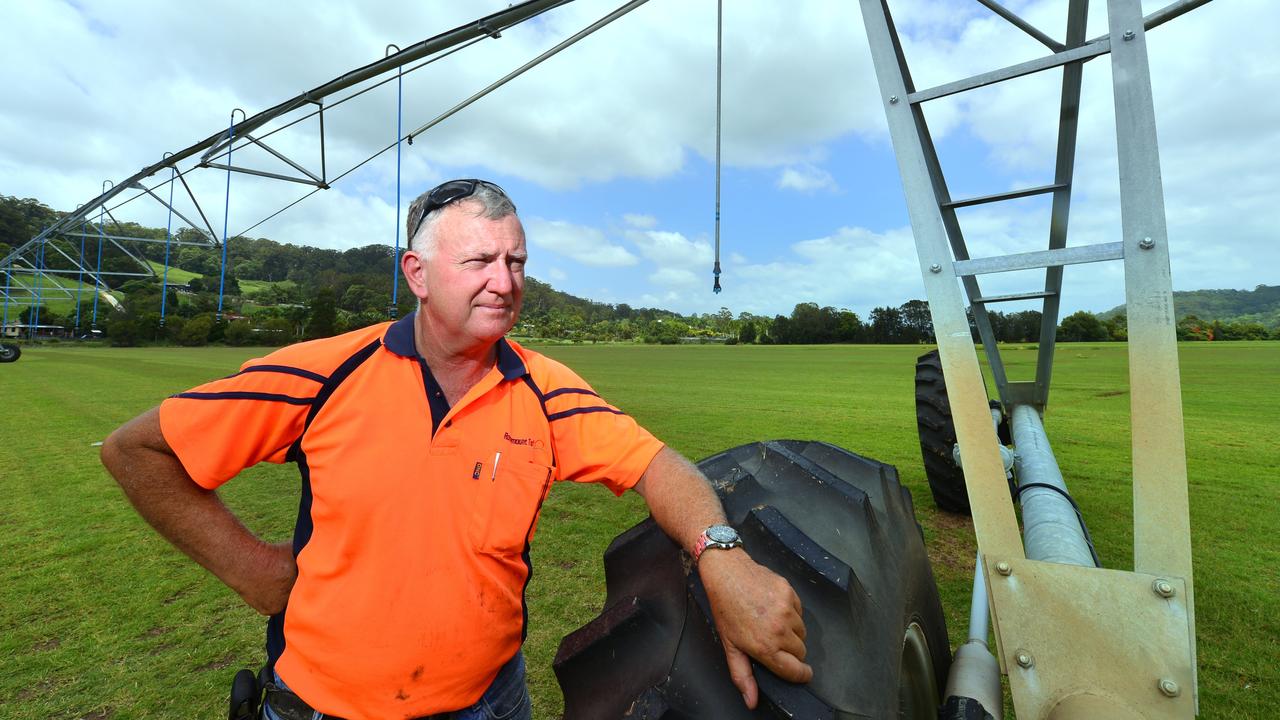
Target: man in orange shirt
[{"x": 426, "y": 448}]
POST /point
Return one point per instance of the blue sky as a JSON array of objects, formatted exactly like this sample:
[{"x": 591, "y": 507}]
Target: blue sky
[{"x": 608, "y": 148}]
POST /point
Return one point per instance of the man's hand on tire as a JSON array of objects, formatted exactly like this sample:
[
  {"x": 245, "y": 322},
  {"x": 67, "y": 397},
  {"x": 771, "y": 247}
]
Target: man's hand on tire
[{"x": 757, "y": 614}]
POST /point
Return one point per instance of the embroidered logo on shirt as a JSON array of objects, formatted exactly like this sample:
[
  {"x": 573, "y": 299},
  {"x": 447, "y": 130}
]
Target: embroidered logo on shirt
[
  {"x": 527, "y": 442},
  {"x": 475, "y": 474}
]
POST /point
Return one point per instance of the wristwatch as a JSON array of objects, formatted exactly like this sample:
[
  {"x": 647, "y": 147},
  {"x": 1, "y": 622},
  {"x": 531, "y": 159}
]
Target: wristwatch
[{"x": 722, "y": 537}]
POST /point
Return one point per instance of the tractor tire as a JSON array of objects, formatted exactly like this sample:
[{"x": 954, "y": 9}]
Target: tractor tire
[
  {"x": 938, "y": 436},
  {"x": 9, "y": 353},
  {"x": 842, "y": 531}
]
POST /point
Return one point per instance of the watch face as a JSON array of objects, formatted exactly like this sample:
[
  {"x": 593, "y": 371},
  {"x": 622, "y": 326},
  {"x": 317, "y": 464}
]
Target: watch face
[{"x": 722, "y": 534}]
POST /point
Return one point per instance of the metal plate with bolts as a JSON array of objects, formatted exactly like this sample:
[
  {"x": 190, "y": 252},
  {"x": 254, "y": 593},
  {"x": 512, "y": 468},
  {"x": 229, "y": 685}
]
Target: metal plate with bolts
[{"x": 1082, "y": 642}]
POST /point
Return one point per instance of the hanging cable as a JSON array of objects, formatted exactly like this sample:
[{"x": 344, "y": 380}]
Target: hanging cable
[
  {"x": 80, "y": 275},
  {"x": 395, "y": 255},
  {"x": 168, "y": 234},
  {"x": 33, "y": 317},
  {"x": 226, "y": 211},
  {"x": 715, "y": 287},
  {"x": 97, "y": 275},
  {"x": 8, "y": 284}
]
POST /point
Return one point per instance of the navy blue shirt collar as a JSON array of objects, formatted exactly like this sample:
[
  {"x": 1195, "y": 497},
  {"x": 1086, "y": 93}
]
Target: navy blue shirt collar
[
  {"x": 399, "y": 340},
  {"x": 509, "y": 362},
  {"x": 399, "y": 337}
]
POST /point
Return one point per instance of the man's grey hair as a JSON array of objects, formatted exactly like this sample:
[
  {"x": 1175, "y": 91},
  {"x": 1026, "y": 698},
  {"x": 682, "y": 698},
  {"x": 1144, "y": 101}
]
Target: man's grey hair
[{"x": 487, "y": 201}]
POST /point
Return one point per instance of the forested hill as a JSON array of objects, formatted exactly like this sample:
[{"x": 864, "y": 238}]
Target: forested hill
[
  {"x": 266, "y": 260},
  {"x": 1260, "y": 305},
  {"x": 264, "y": 277},
  {"x": 282, "y": 292}
]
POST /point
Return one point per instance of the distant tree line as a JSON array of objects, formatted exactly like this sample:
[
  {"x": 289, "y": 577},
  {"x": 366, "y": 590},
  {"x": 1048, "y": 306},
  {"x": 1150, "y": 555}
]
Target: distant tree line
[
  {"x": 1259, "y": 306},
  {"x": 1084, "y": 326},
  {"x": 275, "y": 293}
]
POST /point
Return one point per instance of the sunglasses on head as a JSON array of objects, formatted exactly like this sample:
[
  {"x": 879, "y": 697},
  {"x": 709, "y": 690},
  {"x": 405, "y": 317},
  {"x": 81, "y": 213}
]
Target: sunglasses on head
[{"x": 448, "y": 192}]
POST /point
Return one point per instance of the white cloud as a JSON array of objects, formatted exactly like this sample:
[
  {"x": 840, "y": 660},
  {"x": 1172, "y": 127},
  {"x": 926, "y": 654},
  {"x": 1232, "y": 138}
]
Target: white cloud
[
  {"x": 643, "y": 222},
  {"x": 671, "y": 249},
  {"x": 851, "y": 268},
  {"x": 666, "y": 300},
  {"x": 583, "y": 244},
  {"x": 629, "y": 112},
  {"x": 674, "y": 277},
  {"x": 348, "y": 221},
  {"x": 806, "y": 178},
  {"x": 605, "y": 115}
]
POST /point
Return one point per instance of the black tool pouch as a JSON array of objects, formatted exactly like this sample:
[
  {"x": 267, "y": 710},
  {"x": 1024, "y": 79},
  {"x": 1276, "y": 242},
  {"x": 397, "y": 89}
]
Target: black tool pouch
[{"x": 246, "y": 696}]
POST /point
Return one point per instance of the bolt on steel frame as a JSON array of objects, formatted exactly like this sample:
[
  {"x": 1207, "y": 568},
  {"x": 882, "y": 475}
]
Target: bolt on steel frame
[{"x": 1075, "y": 640}]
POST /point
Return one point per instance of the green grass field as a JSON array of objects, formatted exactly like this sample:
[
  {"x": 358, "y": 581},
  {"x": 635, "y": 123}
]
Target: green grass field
[
  {"x": 101, "y": 618},
  {"x": 177, "y": 276},
  {"x": 250, "y": 287}
]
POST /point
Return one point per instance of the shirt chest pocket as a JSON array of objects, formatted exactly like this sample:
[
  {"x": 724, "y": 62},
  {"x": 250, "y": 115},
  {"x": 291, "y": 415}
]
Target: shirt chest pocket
[{"x": 507, "y": 506}]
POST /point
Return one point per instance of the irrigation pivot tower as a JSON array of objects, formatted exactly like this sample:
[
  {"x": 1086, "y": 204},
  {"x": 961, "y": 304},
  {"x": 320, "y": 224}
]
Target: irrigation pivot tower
[{"x": 1076, "y": 640}]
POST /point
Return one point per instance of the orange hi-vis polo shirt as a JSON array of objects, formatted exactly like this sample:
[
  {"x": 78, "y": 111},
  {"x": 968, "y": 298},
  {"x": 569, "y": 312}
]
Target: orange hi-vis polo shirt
[{"x": 413, "y": 530}]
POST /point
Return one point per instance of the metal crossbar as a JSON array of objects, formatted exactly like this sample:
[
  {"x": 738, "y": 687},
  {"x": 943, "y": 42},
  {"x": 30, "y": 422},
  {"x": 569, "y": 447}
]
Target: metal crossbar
[
  {"x": 951, "y": 279},
  {"x": 1040, "y": 259},
  {"x": 1013, "y": 297},
  {"x": 1000, "y": 197}
]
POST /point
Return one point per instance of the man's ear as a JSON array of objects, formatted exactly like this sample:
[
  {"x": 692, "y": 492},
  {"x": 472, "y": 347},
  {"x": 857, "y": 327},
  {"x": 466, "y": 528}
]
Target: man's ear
[{"x": 415, "y": 273}]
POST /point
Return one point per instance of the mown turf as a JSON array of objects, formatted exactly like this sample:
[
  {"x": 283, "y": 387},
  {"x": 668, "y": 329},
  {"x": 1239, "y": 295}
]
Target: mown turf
[
  {"x": 100, "y": 618},
  {"x": 177, "y": 276}
]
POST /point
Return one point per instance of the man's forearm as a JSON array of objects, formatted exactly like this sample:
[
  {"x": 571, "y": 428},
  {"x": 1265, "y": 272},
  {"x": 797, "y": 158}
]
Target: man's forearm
[
  {"x": 679, "y": 497},
  {"x": 192, "y": 518}
]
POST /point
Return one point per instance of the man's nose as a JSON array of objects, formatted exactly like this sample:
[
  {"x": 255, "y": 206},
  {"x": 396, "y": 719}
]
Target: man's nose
[{"x": 500, "y": 280}]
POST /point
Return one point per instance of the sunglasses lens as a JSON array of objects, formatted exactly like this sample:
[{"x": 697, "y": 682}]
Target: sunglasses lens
[{"x": 448, "y": 192}]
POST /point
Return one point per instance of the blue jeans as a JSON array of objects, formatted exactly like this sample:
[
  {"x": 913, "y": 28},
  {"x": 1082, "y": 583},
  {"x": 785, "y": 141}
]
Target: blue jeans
[{"x": 506, "y": 699}]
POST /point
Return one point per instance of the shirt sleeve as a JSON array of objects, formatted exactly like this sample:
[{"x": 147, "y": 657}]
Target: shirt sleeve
[
  {"x": 595, "y": 441},
  {"x": 225, "y": 426}
]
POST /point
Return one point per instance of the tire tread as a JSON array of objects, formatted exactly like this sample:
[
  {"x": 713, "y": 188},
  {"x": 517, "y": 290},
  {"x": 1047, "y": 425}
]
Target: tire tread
[{"x": 839, "y": 527}]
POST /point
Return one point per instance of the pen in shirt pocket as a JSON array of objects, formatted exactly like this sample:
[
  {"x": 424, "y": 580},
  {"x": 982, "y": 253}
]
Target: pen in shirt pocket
[{"x": 496, "y": 457}]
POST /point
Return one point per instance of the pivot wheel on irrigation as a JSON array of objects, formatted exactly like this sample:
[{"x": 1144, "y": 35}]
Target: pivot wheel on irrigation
[
  {"x": 938, "y": 436},
  {"x": 841, "y": 530},
  {"x": 9, "y": 353}
]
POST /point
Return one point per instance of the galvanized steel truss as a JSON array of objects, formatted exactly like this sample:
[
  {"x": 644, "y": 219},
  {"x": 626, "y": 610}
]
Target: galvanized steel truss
[
  {"x": 30, "y": 273},
  {"x": 1149, "y": 668}
]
